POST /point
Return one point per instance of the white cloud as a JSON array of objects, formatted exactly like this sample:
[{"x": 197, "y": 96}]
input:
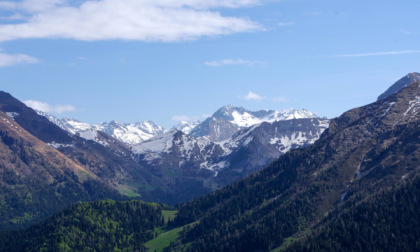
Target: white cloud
[
  {"x": 375, "y": 54},
  {"x": 45, "y": 107},
  {"x": 16, "y": 59},
  {"x": 286, "y": 23},
  {"x": 232, "y": 62},
  {"x": 185, "y": 118},
  {"x": 146, "y": 20},
  {"x": 252, "y": 96}
]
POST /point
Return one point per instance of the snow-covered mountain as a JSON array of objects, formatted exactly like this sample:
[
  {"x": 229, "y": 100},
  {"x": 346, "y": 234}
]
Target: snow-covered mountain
[
  {"x": 59, "y": 122},
  {"x": 131, "y": 133},
  {"x": 72, "y": 125},
  {"x": 128, "y": 133},
  {"x": 244, "y": 152},
  {"x": 186, "y": 127},
  {"x": 179, "y": 149},
  {"x": 228, "y": 120}
]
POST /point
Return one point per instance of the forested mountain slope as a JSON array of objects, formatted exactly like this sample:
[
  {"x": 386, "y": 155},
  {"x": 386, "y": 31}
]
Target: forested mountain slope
[
  {"x": 96, "y": 226},
  {"x": 112, "y": 164},
  {"x": 36, "y": 180},
  {"x": 385, "y": 221},
  {"x": 365, "y": 151}
]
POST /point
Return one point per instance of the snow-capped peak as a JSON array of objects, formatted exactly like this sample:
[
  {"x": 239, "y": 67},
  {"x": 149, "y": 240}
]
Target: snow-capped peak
[
  {"x": 185, "y": 126},
  {"x": 244, "y": 118},
  {"x": 73, "y": 126},
  {"x": 129, "y": 133}
]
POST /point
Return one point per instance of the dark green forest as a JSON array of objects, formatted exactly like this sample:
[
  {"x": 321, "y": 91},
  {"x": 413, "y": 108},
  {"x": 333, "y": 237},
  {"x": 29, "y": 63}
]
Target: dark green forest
[
  {"x": 386, "y": 222},
  {"x": 97, "y": 226}
]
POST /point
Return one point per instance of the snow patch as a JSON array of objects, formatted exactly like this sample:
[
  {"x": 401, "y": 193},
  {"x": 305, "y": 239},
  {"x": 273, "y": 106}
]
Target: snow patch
[
  {"x": 413, "y": 105},
  {"x": 157, "y": 144},
  {"x": 89, "y": 134},
  {"x": 12, "y": 115},
  {"x": 58, "y": 145}
]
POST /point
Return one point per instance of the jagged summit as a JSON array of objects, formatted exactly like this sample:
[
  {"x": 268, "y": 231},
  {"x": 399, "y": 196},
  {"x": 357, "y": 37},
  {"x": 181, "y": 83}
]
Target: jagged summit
[
  {"x": 228, "y": 120},
  {"x": 400, "y": 84},
  {"x": 128, "y": 133}
]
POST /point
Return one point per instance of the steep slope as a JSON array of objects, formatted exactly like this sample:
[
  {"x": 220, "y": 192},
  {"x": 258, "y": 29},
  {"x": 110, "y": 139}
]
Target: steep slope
[
  {"x": 255, "y": 147},
  {"x": 60, "y": 123},
  {"x": 228, "y": 120},
  {"x": 364, "y": 151},
  {"x": 36, "y": 180},
  {"x": 385, "y": 221},
  {"x": 113, "y": 166},
  {"x": 400, "y": 84},
  {"x": 38, "y": 126}
]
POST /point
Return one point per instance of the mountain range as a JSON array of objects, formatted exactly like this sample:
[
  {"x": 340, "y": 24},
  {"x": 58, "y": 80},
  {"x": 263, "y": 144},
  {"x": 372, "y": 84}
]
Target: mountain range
[
  {"x": 228, "y": 120},
  {"x": 136, "y": 160},
  {"x": 356, "y": 188},
  {"x": 221, "y": 163},
  {"x": 128, "y": 133},
  {"x": 220, "y": 126},
  {"x": 197, "y": 163}
]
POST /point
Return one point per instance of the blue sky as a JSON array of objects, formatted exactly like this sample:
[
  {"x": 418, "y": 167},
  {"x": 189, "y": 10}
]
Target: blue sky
[{"x": 167, "y": 60}]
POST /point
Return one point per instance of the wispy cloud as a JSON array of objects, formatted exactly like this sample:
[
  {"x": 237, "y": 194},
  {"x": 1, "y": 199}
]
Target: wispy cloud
[
  {"x": 16, "y": 59},
  {"x": 286, "y": 23},
  {"x": 45, "y": 107},
  {"x": 251, "y": 96},
  {"x": 232, "y": 62},
  {"x": 146, "y": 20},
  {"x": 185, "y": 118},
  {"x": 406, "y": 32},
  {"x": 375, "y": 54}
]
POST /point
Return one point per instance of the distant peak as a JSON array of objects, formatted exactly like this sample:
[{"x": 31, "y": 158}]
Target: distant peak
[
  {"x": 113, "y": 122},
  {"x": 5, "y": 93},
  {"x": 414, "y": 74},
  {"x": 400, "y": 84},
  {"x": 67, "y": 118}
]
